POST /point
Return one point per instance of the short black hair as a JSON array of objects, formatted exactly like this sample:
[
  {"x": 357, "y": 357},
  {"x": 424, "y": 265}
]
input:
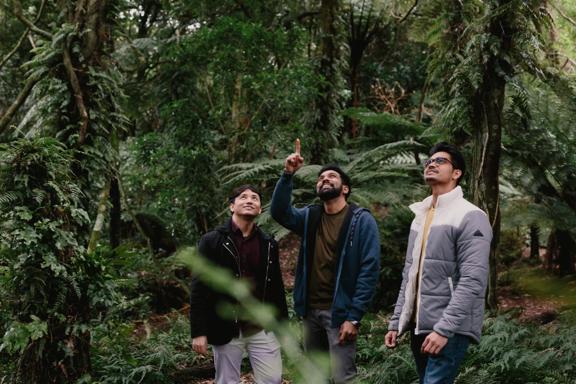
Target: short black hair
[
  {"x": 455, "y": 155},
  {"x": 345, "y": 178},
  {"x": 238, "y": 190}
]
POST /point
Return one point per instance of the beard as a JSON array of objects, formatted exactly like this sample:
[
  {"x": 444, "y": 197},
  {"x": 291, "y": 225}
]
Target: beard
[{"x": 328, "y": 193}]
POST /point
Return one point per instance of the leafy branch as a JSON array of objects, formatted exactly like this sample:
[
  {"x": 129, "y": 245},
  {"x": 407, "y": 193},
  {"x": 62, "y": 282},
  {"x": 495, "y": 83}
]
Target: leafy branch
[{"x": 17, "y": 11}]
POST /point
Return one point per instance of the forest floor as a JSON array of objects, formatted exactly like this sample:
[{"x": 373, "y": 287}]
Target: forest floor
[{"x": 530, "y": 308}]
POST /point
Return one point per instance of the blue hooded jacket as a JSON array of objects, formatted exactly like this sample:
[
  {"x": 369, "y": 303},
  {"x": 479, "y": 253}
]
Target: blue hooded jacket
[{"x": 358, "y": 254}]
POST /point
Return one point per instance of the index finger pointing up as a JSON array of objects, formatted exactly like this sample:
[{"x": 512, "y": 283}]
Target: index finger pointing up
[{"x": 297, "y": 146}]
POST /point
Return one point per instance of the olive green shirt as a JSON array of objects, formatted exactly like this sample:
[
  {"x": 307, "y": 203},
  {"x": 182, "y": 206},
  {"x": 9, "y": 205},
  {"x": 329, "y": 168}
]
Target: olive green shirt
[{"x": 323, "y": 276}]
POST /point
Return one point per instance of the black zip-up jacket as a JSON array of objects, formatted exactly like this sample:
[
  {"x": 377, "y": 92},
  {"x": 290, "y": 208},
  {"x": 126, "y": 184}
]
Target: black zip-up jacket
[{"x": 218, "y": 247}]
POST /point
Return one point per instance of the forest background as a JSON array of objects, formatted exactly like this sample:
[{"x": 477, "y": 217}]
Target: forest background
[{"x": 125, "y": 123}]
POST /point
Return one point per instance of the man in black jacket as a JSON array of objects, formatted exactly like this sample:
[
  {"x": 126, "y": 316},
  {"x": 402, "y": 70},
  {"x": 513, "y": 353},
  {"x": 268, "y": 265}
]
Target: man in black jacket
[{"x": 242, "y": 248}]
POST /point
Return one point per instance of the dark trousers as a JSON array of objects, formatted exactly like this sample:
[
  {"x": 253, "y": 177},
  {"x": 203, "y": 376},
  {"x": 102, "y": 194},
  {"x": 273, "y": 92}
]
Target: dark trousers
[
  {"x": 319, "y": 336},
  {"x": 443, "y": 368}
]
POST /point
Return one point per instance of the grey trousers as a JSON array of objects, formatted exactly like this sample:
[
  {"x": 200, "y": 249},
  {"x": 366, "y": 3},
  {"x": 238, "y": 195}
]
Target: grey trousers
[
  {"x": 264, "y": 354},
  {"x": 320, "y": 336}
]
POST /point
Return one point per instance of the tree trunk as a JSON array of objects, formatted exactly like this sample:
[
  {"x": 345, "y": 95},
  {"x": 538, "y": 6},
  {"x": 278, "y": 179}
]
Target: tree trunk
[
  {"x": 63, "y": 355},
  {"x": 566, "y": 249},
  {"x": 115, "y": 213},
  {"x": 352, "y": 123},
  {"x": 551, "y": 250},
  {"x": 488, "y": 106},
  {"x": 362, "y": 28},
  {"x": 535, "y": 242},
  {"x": 325, "y": 125},
  {"x": 99, "y": 222},
  {"x": 486, "y": 164}
]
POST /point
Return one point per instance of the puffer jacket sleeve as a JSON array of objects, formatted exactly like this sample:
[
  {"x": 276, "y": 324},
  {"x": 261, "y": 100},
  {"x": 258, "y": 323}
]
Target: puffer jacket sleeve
[
  {"x": 472, "y": 253},
  {"x": 281, "y": 208},
  {"x": 369, "y": 266}
]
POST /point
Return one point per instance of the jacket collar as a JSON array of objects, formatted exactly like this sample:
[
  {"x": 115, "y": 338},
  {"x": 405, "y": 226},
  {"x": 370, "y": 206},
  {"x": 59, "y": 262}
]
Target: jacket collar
[
  {"x": 442, "y": 202},
  {"x": 227, "y": 229}
]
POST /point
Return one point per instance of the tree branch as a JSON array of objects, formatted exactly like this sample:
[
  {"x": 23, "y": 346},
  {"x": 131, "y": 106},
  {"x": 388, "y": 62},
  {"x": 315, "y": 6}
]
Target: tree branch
[
  {"x": 565, "y": 16},
  {"x": 18, "y": 13},
  {"x": 568, "y": 61},
  {"x": 100, "y": 217},
  {"x": 22, "y": 38},
  {"x": 409, "y": 12},
  {"x": 77, "y": 89},
  {"x": 15, "y": 49},
  {"x": 421, "y": 103},
  {"x": 7, "y": 117}
]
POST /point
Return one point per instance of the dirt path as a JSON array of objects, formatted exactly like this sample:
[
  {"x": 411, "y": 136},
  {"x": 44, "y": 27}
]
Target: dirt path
[{"x": 530, "y": 308}]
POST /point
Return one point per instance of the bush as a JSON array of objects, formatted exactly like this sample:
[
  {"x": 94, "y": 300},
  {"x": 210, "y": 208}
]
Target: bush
[
  {"x": 124, "y": 353},
  {"x": 509, "y": 353},
  {"x": 515, "y": 353},
  {"x": 511, "y": 246},
  {"x": 394, "y": 232}
]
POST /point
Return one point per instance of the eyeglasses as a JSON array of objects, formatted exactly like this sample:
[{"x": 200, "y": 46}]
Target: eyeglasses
[{"x": 437, "y": 160}]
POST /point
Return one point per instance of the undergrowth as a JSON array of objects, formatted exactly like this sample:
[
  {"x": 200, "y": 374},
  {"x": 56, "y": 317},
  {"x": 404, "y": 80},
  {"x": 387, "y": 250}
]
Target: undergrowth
[
  {"x": 126, "y": 354},
  {"x": 509, "y": 353}
]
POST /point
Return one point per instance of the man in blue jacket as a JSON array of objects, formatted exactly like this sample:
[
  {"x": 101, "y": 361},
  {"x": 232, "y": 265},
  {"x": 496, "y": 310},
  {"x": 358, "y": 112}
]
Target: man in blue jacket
[{"x": 338, "y": 264}]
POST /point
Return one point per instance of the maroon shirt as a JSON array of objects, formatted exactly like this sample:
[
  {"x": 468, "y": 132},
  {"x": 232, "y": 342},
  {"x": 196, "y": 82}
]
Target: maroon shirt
[
  {"x": 248, "y": 252},
  {"x": 250, "y": 264}
]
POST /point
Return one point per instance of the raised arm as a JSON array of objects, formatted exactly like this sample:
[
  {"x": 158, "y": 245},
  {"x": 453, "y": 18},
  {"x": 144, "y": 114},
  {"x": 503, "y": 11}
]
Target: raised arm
[{"x": 281, "y": 207}]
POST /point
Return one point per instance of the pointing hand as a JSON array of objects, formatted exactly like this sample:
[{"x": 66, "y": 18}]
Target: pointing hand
[{"x": 294, "y": 161}]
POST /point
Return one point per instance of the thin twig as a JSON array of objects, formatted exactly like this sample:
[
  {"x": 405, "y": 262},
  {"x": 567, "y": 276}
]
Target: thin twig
[
  {"x": 22, "y": 37},
  {"x": 32, "y": 42},
  {"x": 567, "y": 61},
  {"x": 421, "y": 103},
  {"x": 15, "y": 49},
  {"x": 565, "y": 16},
  {"x": 409, "y": 12},
  {"x": 29, "y": 23},
  {"x": 496, "y": 211}
]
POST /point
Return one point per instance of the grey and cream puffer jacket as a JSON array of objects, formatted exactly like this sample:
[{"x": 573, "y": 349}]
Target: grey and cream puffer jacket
[{"x": 455, "y": 269}]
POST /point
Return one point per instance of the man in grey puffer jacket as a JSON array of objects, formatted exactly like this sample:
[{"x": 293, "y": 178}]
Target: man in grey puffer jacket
[{"x": 441, "y": 299}]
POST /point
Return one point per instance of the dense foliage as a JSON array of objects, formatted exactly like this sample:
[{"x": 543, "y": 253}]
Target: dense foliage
[{"x": 124, "y": 124}]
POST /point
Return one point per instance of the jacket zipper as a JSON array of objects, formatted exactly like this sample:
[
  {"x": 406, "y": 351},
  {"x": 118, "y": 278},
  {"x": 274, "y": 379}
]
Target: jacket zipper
[
  {"x": 268, "y": 262},
  {"x": 236, "y": 258},
  {"x": 421, "y": 269}
]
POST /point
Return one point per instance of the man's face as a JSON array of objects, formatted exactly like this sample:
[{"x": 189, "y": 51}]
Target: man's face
[
  {"x": 329, "y": 185},
  {"x": 440, "y": 169},
  {"x": 246, "y": 203}
]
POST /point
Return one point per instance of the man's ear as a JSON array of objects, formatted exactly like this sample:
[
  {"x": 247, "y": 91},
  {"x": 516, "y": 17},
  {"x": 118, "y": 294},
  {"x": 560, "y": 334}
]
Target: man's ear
[
  {"x": 457, "y": 174},
  {"x": 345, "y": 189},
  {"x": 232, "y": 207}
]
